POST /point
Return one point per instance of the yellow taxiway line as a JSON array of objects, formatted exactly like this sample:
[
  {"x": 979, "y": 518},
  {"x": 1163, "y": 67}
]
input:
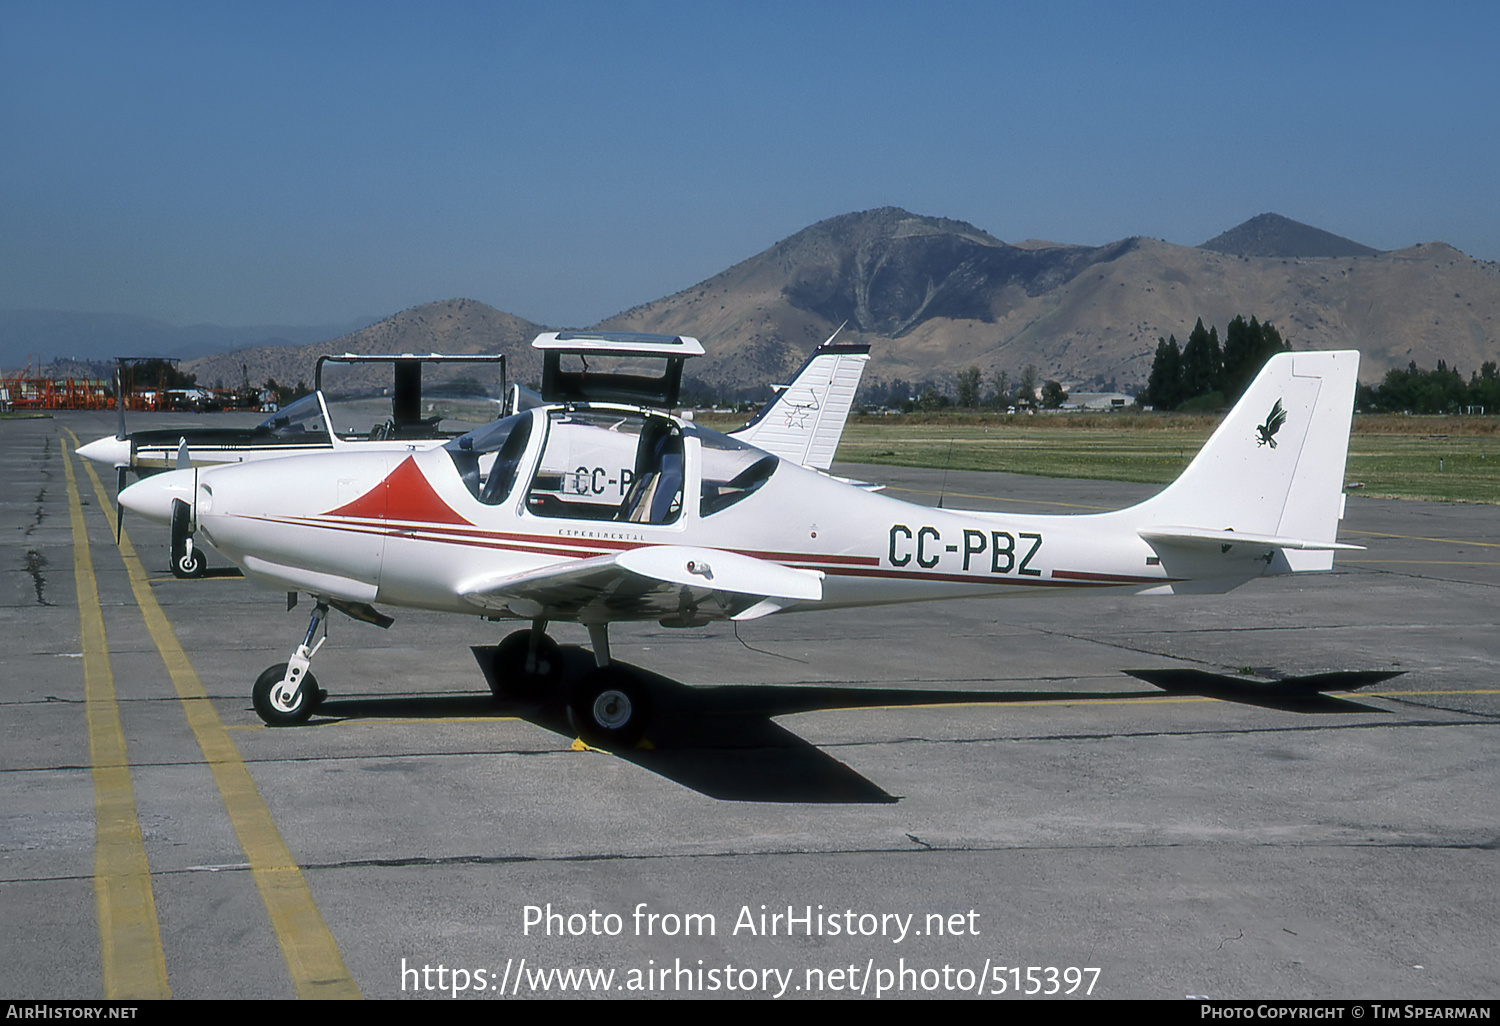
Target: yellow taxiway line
[
  {"x": 129, "y": 932},
  {"x": 312, "y": 955}
]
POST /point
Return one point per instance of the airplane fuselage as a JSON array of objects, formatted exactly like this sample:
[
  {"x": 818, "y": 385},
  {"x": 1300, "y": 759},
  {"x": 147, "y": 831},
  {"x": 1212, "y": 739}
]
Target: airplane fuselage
[{"x": 402, "y": 529}]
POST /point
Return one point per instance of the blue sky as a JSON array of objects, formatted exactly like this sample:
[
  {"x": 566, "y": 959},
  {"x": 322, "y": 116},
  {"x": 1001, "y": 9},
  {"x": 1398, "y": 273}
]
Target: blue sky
[{"x": 243, "y": 163}]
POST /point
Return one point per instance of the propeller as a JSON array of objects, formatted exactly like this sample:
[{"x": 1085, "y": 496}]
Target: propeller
[
  {"x": 120, "y": 435},
  {"x": 119, "y": 506}
]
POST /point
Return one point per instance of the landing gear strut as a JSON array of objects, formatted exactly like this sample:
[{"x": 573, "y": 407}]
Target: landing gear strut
[
  {"x": 607, "y": 705},
  {"x": 287, "y": 693}
]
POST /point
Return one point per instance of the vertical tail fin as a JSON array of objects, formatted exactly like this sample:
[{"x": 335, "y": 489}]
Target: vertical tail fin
[
  {"x": 1273, "y": 470},
  {"x": 805, "y": 420}
]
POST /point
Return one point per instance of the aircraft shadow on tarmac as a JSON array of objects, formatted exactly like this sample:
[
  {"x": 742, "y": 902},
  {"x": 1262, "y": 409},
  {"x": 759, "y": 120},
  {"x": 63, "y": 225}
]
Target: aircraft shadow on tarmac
[
  {"x": 1289, "y": 694},
  {"x": 222, "y": 571},
  {"x": 722, "y": 741}
]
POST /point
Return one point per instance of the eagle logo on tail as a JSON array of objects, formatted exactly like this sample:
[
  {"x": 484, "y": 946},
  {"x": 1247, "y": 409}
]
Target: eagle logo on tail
[{"x": 1274, "y": 420}]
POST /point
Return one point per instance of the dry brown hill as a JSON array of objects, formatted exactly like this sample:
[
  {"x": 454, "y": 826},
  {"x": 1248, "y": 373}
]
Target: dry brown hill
[
  {"x": 448, "y": 326},
  {"x": 933, "y": 296}
]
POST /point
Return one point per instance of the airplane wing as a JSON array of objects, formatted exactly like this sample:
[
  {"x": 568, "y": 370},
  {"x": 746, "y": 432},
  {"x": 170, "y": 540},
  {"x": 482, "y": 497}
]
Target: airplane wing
[{"x": 680, "y": 585}]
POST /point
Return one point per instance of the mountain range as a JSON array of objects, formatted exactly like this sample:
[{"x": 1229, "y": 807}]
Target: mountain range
[{"x": 933, "y": 296}]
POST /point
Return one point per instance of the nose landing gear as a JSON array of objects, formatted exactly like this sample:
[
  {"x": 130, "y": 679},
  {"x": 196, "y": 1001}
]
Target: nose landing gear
[
  {"x": 187, "y": 562},
  {"x": 287, "y": 693}
]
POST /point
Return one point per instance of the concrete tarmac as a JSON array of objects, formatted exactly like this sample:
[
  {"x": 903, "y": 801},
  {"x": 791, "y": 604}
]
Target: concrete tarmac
[{"x": 962, "y": 798}]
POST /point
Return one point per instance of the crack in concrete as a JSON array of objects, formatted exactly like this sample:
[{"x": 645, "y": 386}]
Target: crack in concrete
[
  {"x": 1429, "y": 577},
  {"x": 1441, "y": 708},
  {"x": 932, "y": 851},
  {"x": 35, "y": 564},
  {"x": 1125, "y": 646},
  {"x": 40, "y": 514}
]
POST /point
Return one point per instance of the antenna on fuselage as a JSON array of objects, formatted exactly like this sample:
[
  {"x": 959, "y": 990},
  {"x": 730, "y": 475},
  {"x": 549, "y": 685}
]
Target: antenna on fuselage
[{"x": 942, "y": 491}]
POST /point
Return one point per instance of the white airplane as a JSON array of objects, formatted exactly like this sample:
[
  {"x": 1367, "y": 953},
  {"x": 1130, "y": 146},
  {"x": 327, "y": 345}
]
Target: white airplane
[
  {"x": 803, "y": 422},
  {"x": 309, "y": 424},
  {"x": 712, "y": 529}
]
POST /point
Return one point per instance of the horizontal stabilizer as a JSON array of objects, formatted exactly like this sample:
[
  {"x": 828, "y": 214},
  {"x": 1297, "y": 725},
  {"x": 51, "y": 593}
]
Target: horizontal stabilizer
[{"x": 1207, "y": 538}]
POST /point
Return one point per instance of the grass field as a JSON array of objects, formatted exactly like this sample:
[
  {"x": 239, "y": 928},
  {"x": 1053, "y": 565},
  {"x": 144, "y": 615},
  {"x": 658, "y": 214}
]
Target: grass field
[{"x": 1443, "y": 458}]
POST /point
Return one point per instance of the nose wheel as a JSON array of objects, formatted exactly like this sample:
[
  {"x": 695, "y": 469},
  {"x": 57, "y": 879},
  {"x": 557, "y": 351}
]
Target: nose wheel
[
  {"x": 190, "y": 564},
  {"x": 187, "y": 561},
  {"x": 282, "y": 703}
]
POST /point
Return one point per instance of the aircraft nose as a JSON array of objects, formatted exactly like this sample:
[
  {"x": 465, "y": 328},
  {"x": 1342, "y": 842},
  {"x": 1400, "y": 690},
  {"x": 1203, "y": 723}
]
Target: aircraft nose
[
  {"x": 152, "y": 497},
  {"x": 109, "y": 450}
]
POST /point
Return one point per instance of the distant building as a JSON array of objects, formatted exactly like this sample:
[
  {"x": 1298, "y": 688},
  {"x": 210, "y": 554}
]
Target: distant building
[{"x": 1098, "y": 401}]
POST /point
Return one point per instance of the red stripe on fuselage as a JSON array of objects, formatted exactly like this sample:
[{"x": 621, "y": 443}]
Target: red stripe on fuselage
[{"x": 1096, "y": 578}]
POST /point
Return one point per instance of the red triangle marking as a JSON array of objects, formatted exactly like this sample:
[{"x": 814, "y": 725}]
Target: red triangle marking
[{"x": 404, "y": 495}]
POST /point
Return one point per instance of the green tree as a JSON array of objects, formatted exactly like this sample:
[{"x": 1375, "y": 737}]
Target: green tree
[
  {"x": 1026, "y": 390},
  {"x": 1164, "y": 386},
  {"x": 1247, "y": 347},
  {"x": 1413, "y": 390},
  {"x": 932, "y": 400},
  {"x": 970, "y": 381},
  {"x": 286, "y": 394},
  {"x": 1484, "y": 388},
  {"x": 1000, "y": 397},
  {"x": 1202, "y": 363},
  {"x": 1053, "y": 395}
]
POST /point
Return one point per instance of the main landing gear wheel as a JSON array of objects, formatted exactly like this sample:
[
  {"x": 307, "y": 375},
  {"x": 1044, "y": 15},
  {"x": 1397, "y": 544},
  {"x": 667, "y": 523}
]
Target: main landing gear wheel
[
  {"x": 272, "y": 703},
  {"x": 509, "y": 677},
  {"x": 609, "y": 707}
]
